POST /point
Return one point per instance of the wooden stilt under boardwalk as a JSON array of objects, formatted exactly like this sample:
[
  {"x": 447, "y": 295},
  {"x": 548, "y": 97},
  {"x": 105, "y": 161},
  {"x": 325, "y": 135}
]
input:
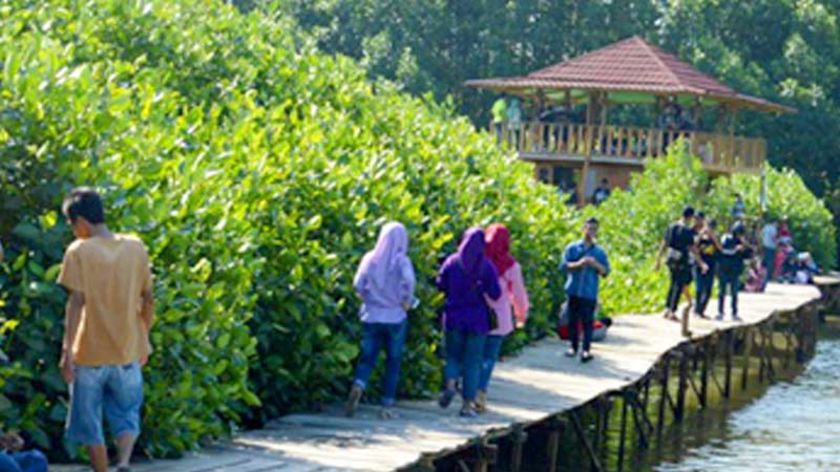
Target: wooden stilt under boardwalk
[{"x": 531, "y": 389}]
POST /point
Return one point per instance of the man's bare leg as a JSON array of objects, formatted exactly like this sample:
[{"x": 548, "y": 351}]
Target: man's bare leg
[
  {"x": 125, "y": 446},
  {"x": 98, "y": 458}
]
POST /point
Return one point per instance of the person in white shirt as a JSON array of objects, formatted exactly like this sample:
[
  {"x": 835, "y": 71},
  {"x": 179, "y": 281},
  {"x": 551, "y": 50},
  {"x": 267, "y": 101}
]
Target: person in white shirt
[{"x": 769, "y": 241}]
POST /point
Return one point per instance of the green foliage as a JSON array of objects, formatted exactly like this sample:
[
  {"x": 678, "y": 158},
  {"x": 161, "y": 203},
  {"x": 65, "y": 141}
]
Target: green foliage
[
  {"x": 257, "y": 172},
  {"x": 810, "y": 221}
]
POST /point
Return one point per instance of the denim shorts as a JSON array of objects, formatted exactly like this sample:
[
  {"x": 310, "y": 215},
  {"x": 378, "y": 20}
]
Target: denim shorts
[{"x": 115, "y": 389}]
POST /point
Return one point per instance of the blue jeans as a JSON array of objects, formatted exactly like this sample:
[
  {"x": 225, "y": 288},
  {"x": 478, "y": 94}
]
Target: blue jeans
[
  {"x": 492, "y": 348},
  {"x": 115, "y": 389},
  {"x": 731, "y": 281},
  {"x": 28, "y": 461},
  {"x": 375, "y": 336},
  {"x": 463, "y": 354},
  {"x": 769, "y": 261},
  {"x": 703, "y": 285}
]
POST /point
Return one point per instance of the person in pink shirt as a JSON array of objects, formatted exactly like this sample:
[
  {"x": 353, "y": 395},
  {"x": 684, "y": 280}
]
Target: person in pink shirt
[{"x": 514, "y": 299}]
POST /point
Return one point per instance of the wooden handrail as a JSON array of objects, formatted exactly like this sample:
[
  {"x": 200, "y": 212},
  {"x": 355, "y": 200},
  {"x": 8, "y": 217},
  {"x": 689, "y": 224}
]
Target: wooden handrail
[{"x": 718, "y": 152}]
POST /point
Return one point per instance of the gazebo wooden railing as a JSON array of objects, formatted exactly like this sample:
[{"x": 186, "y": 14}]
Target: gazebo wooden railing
[{"x": 722, "y": 153}]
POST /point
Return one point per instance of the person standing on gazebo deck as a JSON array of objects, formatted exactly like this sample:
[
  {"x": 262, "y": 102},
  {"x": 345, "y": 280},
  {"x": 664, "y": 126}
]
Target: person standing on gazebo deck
[
  {"x": 513, "y": 296},
  {"x": 499, "y": 112},
  {"x": 467, "y": 278},
  {"x": 385, "y": 282},
  {"x": 514, "y": 120},
  {"x": 585, "y": 262}
]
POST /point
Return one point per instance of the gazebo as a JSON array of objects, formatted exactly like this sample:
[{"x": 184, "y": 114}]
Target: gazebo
[{"x": 568, "y": 146}]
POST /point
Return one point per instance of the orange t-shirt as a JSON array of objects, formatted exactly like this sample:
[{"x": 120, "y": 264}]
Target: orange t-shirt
[{"x": 112, "y": 273}]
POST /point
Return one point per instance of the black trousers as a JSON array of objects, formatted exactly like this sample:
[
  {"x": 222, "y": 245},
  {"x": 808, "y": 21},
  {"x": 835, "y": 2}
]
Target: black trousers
[{"x": 581, "y": 310}]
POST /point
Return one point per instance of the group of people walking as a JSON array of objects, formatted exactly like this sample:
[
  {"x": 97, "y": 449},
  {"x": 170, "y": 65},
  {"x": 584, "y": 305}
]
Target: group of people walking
[
  {"x": 695, "y": 253},
  {"x": 486, "y": 300},
  {"x": 484, "y": 291}
]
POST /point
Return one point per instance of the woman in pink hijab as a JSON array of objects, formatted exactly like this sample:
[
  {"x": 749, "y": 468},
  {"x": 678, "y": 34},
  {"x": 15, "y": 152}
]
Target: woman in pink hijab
[
  {"x": 385, "y": 283},
  {"x": 512, "y": 303}
]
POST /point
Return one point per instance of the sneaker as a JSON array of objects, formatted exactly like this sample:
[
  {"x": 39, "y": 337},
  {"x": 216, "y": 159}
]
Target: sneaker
[
  {"x": 480, "y": 403},
  {"x": 468, "y": 412},
  {"x": 387, "y": 413},
  {"x": 719, "y": 317},
  {"x": 571, "y": 353},
  {"x": 737, "y": 318},
  {"x": 586, "y": 357},
  {"x": 445, "y": 398},
  {"x": 353, "y": 400}
]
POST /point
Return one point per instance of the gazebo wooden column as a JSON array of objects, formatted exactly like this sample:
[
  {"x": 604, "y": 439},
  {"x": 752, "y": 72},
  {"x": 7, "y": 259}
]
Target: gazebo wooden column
[{"x": 597, "y": 104}]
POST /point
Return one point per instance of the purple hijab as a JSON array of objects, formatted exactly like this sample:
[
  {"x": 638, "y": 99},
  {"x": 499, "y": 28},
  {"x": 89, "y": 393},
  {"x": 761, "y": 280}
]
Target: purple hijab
[
  {"x": 385, "y": 258},
  {"x": 471, "y": 252}
]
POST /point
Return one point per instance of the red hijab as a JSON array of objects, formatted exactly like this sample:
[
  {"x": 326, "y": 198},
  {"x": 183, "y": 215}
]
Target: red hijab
[{"x": 497, "y": 247}]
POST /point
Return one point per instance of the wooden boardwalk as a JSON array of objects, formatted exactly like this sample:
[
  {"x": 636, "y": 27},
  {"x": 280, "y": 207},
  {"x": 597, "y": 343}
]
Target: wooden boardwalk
[{"x": 538, "y": 383}]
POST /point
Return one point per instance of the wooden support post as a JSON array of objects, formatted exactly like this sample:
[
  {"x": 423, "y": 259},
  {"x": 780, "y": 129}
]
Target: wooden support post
[
  {"x": 584, "y": 175},
  {"x": 790, "y": 347},
  {"x": 555, "y": 429},
  {"x": 581, "y": 435},
  {"x": 485, "y": 455},
  {"x": 771, "y": 351},
  {"x": 730, "y": 347},
  {"x": 663, "y": 398},
  {"x": 605, "y": 441},
  {"x": 622, "y": 433},
  {"x": 598, "y": 437},
  {"x": 679, "y": 414},
  {"x": 748, "y": 342},
  {"x": 704, "y": 373},
  {"x": 760, "y": 355},
  {"x": 518, "y": 437},
  {"x": 426, "y": 463}
]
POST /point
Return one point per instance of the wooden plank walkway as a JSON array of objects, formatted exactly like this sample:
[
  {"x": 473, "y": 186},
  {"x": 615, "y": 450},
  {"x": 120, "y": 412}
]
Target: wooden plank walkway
[{"x": 536, "y": 384}]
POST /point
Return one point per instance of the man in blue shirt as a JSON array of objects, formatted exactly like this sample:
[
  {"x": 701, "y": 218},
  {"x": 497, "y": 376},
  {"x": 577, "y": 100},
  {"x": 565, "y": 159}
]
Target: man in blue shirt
[{"x": 585, "y": 263}]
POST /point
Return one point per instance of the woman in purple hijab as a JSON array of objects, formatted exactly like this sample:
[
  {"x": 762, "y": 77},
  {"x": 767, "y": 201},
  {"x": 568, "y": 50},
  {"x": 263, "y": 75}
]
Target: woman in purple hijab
[
  {"x": 385, "y": 282},
  {"x": 467, "y": 278}
]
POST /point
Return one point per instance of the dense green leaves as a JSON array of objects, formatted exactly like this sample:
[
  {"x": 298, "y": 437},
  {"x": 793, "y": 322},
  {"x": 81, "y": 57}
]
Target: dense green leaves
[{"x": 257, "y": 171}]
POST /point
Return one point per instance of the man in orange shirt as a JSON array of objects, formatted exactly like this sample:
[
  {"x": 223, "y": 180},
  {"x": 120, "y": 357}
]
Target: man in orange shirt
[{"x": 106, "y": 338}]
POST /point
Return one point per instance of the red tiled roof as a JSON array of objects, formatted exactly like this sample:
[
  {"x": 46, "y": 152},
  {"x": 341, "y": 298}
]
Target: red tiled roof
[{"x": 632, "y": 64}]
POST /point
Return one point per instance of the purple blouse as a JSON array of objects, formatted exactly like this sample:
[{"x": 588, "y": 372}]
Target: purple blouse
[{"x": 465, "y": 308}]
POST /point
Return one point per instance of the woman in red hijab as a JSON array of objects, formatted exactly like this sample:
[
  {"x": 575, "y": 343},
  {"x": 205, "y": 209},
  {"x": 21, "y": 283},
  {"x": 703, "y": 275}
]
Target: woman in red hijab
[{"x": 512, "y": 303}]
